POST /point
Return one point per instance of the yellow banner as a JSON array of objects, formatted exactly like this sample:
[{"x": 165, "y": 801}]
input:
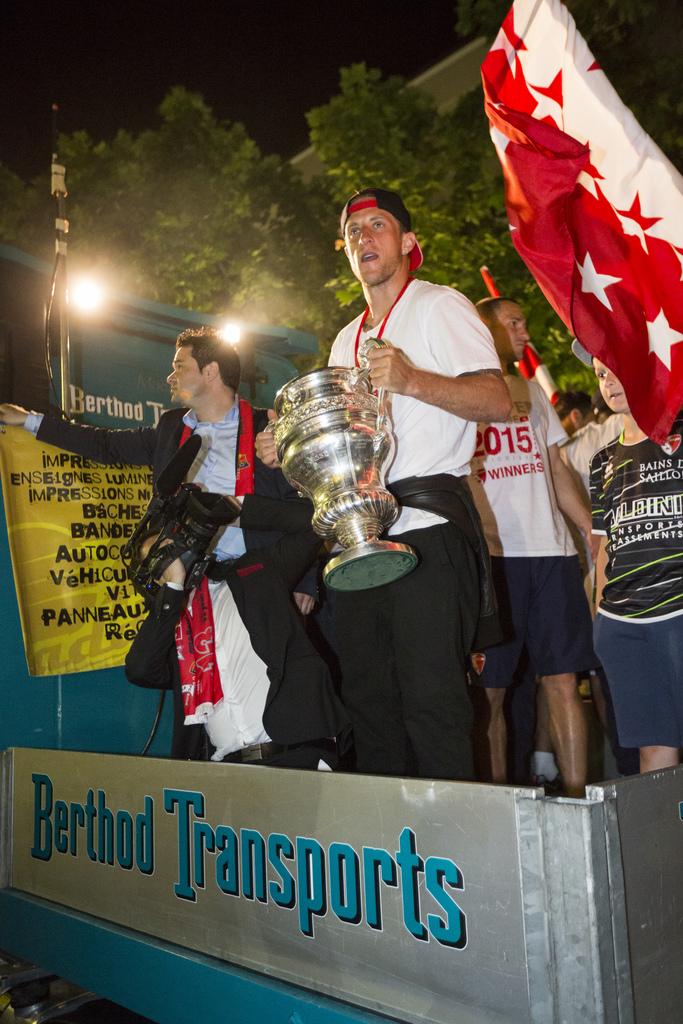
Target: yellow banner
[{"x": 67, "y": 520}]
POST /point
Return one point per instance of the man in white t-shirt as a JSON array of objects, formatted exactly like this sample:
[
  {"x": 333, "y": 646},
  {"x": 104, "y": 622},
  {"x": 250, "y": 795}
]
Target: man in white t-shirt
[
  {"x": 403, "y": 647},
  {"x": 586, "y": 433},
  {"x": 523, "y": 491}
]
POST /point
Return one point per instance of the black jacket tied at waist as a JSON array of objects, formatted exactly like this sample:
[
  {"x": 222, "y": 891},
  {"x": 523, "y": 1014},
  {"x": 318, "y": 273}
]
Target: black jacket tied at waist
[{"x": 450, "y": 497}]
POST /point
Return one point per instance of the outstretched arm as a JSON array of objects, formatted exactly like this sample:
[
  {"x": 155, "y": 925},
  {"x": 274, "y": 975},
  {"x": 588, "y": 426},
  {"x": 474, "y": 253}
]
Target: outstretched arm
[
  {"x": 12, "y": 415},
  {"x": 101, "y": 444}
]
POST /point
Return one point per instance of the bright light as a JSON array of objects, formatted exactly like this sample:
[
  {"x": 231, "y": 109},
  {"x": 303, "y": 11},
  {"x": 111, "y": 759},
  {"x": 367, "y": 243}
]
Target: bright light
[
  {"x": 230, "y": 332},
  {"x": 86, "y": 294}
]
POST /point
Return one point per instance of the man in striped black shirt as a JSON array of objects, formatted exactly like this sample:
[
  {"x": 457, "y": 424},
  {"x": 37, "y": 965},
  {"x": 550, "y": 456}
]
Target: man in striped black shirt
[{"x": 637, "y": 497}]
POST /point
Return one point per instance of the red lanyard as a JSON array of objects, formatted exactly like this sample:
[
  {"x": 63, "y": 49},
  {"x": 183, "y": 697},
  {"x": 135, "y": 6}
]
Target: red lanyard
[{"x": 380, "y": 332}]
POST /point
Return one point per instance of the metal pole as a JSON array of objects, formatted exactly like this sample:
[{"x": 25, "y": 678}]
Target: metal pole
[{"x": 58, "y": 190}]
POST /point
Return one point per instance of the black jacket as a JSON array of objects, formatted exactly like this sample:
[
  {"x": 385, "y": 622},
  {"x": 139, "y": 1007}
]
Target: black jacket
[
  {"x": 302, "y": 704},
  {"x": 154, "y": 447}
]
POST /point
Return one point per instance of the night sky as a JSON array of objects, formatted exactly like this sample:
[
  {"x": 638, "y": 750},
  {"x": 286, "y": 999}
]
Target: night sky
[{"x": 262, "y": 62}]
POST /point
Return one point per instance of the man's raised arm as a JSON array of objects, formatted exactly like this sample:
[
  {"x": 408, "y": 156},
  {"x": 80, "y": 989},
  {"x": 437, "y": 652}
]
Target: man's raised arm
[{"x": 134, "y": 446}]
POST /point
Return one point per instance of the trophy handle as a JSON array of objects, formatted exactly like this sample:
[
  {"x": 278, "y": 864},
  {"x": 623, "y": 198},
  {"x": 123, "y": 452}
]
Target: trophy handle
[
  {"x": 382, "y": 416},
  {"x": 381, "y": 394},
  {"x": 363, "y": 375}
]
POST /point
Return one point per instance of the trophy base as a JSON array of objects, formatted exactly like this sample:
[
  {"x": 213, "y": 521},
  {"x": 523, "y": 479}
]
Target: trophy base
[{"x": 372, "y": 564}]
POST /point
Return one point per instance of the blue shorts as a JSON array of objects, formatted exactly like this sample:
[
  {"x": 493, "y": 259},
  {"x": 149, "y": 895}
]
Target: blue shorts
[
  {"x": 643, "y": 664},
  {"x": 543, "y": 608}
]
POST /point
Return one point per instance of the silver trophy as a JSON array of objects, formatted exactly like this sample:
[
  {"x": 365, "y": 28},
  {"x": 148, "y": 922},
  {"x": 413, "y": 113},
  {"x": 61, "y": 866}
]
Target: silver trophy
[{"x": 333, "y": 444}]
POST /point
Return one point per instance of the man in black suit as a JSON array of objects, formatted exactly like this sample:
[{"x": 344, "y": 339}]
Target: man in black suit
[{"x": 204, "y": 381}]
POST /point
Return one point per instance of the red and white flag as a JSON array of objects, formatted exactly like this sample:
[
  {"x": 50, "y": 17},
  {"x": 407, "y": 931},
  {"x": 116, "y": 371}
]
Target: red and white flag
[{"x": 595, "y": 208}]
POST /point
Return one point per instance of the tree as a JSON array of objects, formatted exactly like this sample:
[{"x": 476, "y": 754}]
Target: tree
[
  {"x": 638, "y": 45},
  {"x": 380, "y": 131},
  {"x": 446, "y": 171},
  {"x": 189, "y": 213}
]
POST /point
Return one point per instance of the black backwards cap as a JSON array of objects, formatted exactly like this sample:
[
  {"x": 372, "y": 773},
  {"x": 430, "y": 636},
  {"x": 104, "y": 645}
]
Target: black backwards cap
[{"x": 391, "y": 202}]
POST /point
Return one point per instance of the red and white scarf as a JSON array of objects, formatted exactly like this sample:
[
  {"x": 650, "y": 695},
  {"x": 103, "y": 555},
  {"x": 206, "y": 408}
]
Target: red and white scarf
[{"x": 195, "y": 636}]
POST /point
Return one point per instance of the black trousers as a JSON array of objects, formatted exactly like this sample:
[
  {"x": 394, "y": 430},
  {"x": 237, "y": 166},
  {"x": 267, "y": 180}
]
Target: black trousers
[{"x": 403, "y": 650}]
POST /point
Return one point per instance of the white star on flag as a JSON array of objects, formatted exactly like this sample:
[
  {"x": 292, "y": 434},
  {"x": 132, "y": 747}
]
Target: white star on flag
[
  {"x": 679, "y": 257},
  {"x": 634, "y": 222},
  {"x": 593, "y": 283},
  {"x": 501, "y": 42},
  {"x": 546, "y": 106},
  {"x": 632, "y": 227},
  {"x": 586, "y": 178},
  {"x": 661, "y": 338},
  {"x": 588, "y": 182}
]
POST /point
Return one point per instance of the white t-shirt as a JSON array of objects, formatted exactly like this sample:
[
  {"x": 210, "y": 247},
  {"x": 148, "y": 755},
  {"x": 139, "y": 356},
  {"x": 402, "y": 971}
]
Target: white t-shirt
[
  {"x": 511, "y": 481},
  {"x": 582, "y": 446},
  {"x": 439, "y": 330},
  {"x": 238, "y": 720}
]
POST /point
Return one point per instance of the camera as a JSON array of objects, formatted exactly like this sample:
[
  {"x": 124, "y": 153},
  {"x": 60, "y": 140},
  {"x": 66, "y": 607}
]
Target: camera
[
  {"x": 182, "y": 525},
  {"x": 180, "y": 522}
]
